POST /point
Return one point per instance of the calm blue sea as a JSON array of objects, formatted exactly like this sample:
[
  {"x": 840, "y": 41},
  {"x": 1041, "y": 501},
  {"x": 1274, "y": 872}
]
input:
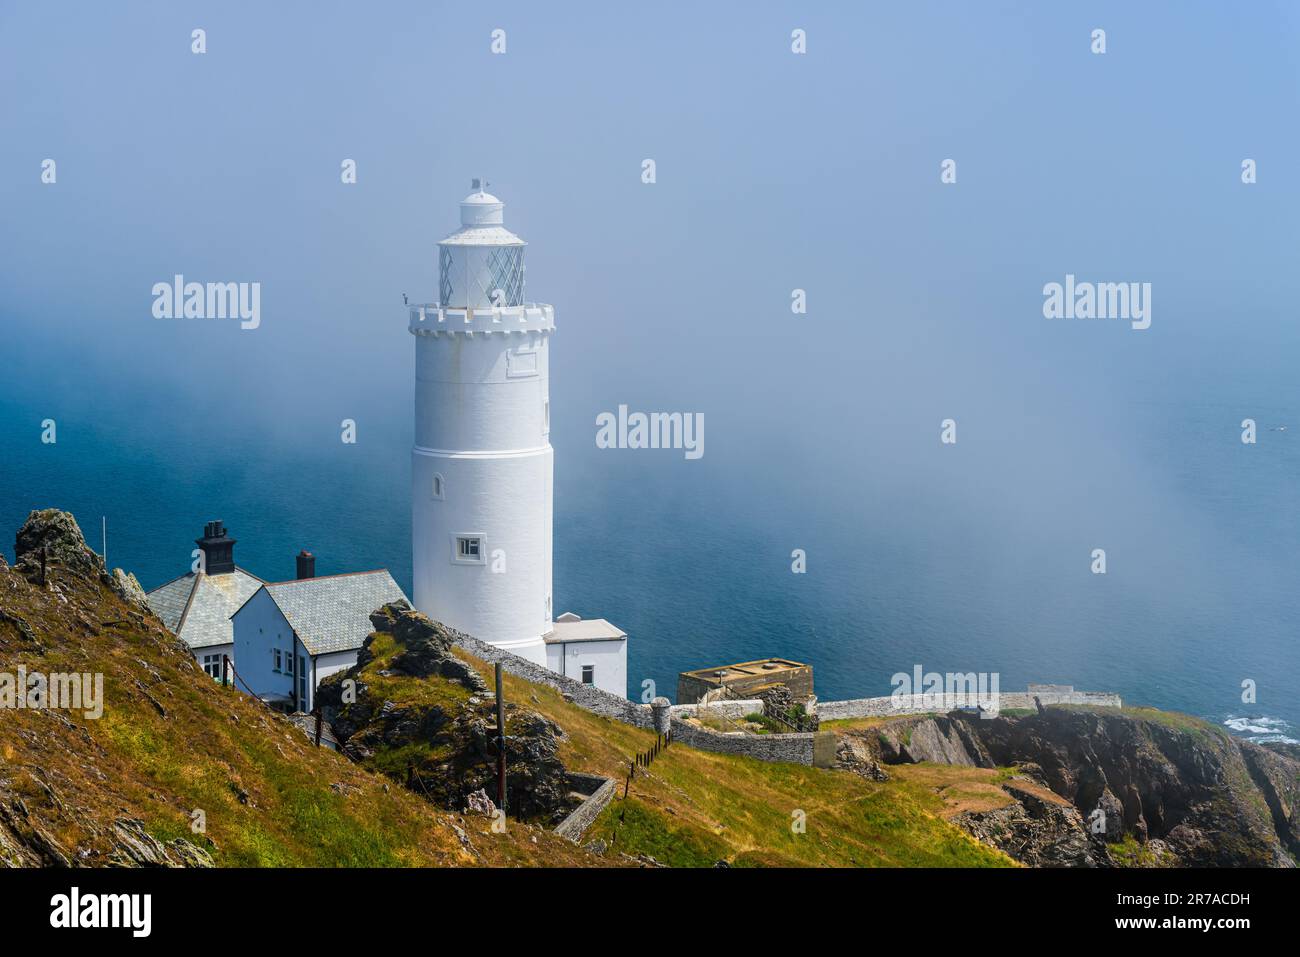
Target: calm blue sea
[{"x": 693, "y": 559}]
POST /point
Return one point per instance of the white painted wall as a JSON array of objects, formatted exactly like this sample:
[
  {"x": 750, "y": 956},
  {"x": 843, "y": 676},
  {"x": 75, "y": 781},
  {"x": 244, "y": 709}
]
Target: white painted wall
[
  {"x": 609, "y": 658},
  {"x": 327, "y": 665},
  {"x": 481, "y": 424},
  {"x": 259, "y": 628}
]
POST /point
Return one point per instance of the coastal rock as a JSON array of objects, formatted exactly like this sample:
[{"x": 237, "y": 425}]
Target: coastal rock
[
  {"x": 1276, "y": 776},
  {"x": 428, "y": 646},
  {"x": 935, "y": 739},
  {"x": 444, "y": 739},
  {"x": 127, "y": 587},
  {"x": 58, "y": 533},
  {"x": 852, "y": 753},
  {"x": 136, "y": 847},
  {"x": 1212, "y": 800},
  {"x": 478, "y": 802},
  {"x": 1037, "y": 830}
]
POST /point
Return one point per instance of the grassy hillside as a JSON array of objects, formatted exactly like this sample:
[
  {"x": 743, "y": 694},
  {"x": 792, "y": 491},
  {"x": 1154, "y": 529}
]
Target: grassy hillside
[
  {"x": 171, "y": 742},
  {"x": 694, "y": 808}
]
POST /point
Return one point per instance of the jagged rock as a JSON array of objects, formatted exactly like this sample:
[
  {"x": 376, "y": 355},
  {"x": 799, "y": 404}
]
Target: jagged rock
[
  {"x": 60, "y": 535},
  {"x": 478, "y": 802},
  {"x": 1276, "y": 775},
  {"x": 1036, "y": 831},
  {"x": 20, "y": 625},
  {"x": 854, "y": 754},
  {"x": 136, "y": 847},
  {"x": 459, "y": 734},
  {"x": 428, "y": 646},
  {"x": 127, "y": 587},
  {"x": 936, "y": 739},
  {"x": 1211, "y": 799},
  {"x": 1109, "y": 823}
]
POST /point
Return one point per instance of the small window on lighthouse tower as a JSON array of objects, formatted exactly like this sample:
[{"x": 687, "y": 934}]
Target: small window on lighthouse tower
[
  {"x": 546, "y": 417},
  {"x": 437, "y": 486},
  {"x": 468, "y": 550}
]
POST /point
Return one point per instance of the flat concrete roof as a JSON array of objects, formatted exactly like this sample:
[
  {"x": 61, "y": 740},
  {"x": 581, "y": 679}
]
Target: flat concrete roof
[
  {"x": 762, "y": 668},
  {"x": 590, "y": 629}
]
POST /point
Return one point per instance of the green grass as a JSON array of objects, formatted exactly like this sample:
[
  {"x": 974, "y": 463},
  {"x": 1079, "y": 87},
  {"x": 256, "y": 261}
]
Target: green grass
[
  {"x": 693, "y": 808},
  {"x": 303, "y": 806}
]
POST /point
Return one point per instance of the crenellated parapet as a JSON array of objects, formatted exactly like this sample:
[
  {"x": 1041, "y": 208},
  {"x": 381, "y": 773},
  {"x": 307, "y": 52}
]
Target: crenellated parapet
[{"x": 433, "y": 319}]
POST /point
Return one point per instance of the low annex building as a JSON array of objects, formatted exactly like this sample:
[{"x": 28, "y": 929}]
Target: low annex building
[
  {"x": 591, "y": 651},
  {"x": 749, "y": 679}
]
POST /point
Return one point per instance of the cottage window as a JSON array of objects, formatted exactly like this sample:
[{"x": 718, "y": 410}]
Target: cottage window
[
  {"x": 212, "y": 665},
  {"x": 588, "y": 674}
]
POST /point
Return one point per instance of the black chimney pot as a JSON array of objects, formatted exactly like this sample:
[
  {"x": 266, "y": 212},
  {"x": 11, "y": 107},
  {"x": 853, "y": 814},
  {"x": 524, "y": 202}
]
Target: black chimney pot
[
  {"x": 306, "y": 564},
  {"x": 218, "y": 549}
]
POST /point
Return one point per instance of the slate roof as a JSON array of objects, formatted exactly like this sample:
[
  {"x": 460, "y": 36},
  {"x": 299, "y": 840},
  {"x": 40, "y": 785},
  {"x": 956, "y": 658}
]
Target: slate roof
[
  {"x": 332, "y": 613},
  {"x": 570, "y": 628},
  {"x": 197, "y": 607}
]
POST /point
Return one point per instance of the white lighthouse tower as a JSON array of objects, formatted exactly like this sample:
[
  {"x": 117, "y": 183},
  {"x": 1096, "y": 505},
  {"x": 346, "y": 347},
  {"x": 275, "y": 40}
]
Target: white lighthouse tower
[
  {"x": 481, "y": 496},
  {"x": 482, "y": 466}
]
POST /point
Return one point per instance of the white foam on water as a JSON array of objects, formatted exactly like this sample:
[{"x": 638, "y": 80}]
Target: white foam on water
[{"x": 1260, "y": 729}]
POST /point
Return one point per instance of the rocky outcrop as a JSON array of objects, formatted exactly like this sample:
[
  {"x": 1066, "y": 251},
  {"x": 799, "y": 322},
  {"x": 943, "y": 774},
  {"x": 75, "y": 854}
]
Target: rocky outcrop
[
  {"x": 428, "y": 646},
  {"x": 852, "y": 753},
  {"x": 1278, "y": 779},
  {"x": 25, "y": 842},
  {"x": 52, "y": 539},
  {"x": 941, "y": 741},
  {"x": 57, "y": 536},
  {"x": 448, "y": 740},
  {"x": 1211, "y": 800},
  {"x": 1038, "y": 829}
]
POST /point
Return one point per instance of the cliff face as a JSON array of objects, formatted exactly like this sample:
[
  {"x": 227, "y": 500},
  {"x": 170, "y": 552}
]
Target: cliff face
[{"x": 1191, "y": 793}]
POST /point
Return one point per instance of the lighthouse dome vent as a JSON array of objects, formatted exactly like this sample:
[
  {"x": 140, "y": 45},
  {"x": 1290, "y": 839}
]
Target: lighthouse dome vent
[{"x": 481, "y": 208}]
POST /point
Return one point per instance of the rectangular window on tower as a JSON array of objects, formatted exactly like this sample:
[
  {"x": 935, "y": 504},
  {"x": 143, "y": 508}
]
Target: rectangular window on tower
[
  {"x": 468, "y": 550},
  {"x": 521, "y": 363}
]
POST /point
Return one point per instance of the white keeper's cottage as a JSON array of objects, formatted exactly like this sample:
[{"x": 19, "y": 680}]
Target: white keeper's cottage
[
  {"x": 290, "y": 636},
  {"x": 282, "y": 638}
]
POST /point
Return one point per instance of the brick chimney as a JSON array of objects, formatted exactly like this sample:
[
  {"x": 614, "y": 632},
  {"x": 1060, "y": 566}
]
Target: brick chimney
[
  {"x": 306, "y": 565},
  {"x": 218, "y": 549}
]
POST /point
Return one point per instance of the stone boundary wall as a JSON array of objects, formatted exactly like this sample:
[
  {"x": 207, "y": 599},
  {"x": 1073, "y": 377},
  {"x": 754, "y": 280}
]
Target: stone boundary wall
[
  {"x": 793, "y": 748},
  {"x": 585, "y": 814},
  {"x": 586, "y": 696},
  {"x": 888, "y": 706},
  {"x": 728, "y": 709}
]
